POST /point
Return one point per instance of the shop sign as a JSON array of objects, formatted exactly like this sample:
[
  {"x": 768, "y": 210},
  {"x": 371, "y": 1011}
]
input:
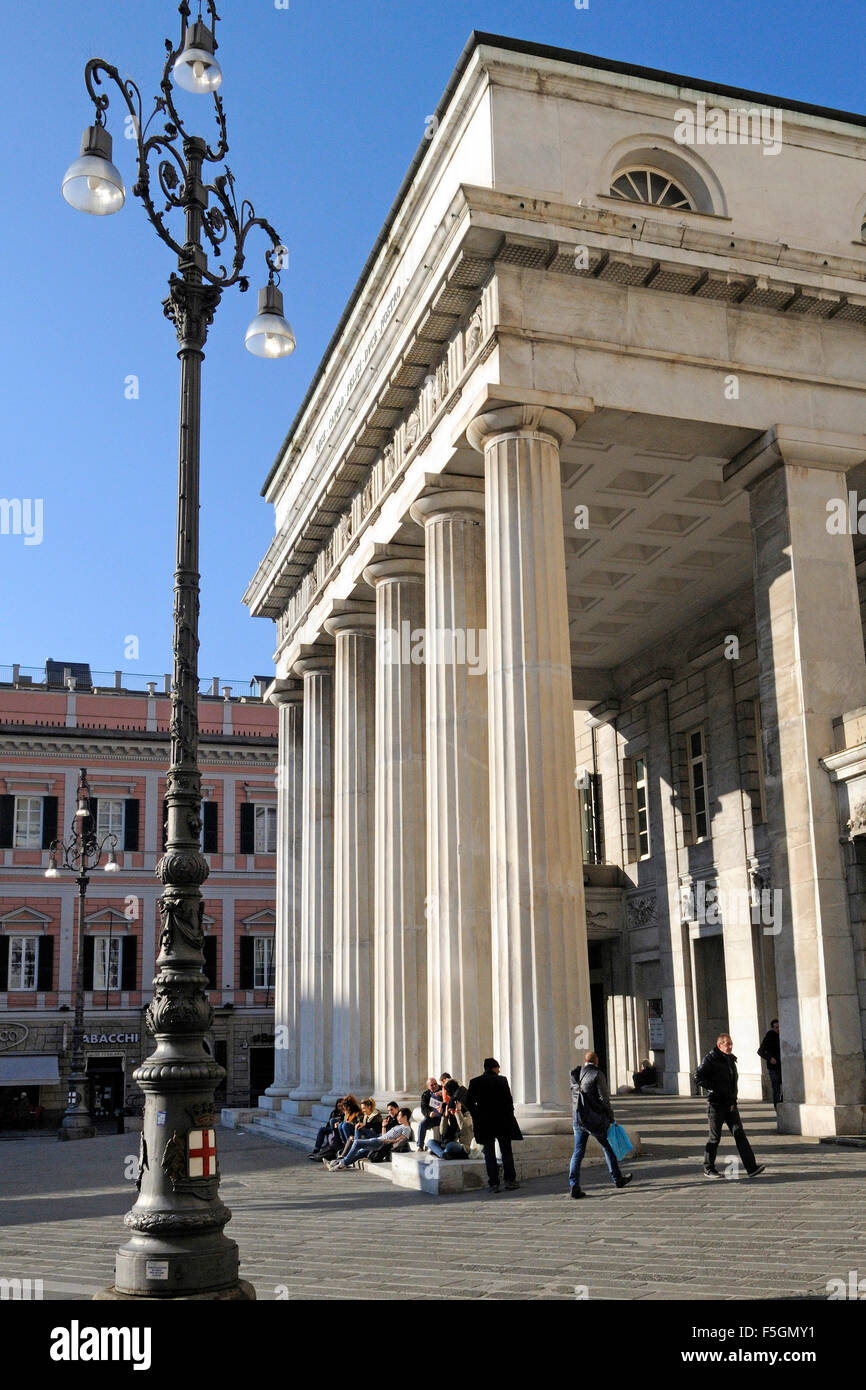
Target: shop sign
[
  {"x": 111, "y": 1037},
  {"x": 12, "y": 1035}
]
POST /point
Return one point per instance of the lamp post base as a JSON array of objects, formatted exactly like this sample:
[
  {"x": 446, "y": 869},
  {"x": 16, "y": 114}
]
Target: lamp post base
[
  {"x": 242, "y": 1291},
  {"x": 79, "y": 1132}
]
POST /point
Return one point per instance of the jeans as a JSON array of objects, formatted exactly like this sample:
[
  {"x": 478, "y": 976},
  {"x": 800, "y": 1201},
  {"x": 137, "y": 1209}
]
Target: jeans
[
  {"x": 360, "y": 1149},
  {"x": 433, "y": 1123},
  {"x": 451, "y": 1150},
  {"x": 493, "y": 1166},
  {"x": 776, "y": 1083},
  {"x": 345, "y": 1130},
  {"x": 322, "y": 1136},
  {"x": 721, "y": 1113},
  {"x": 581, "y": 1139}
]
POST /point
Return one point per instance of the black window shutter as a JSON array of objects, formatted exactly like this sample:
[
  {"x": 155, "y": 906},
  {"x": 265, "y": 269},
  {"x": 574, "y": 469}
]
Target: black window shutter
[
  {"x": 130, "y": 824},
  {"x": 7, "y": 823},
  {"x": 88, "y": 962},
  {"x": 129, "y": 963},
  {"x": 49, "y": 820},
  {"x": 246, "y": 980},
  {"x": 164, "y": 823},
  {"x": 94, "y": 814},
  {"x": 45, "y": 968},
  {"x": 4, "y": 962},
  {"x": 210, "y": 961},
  {"x": 210, "y": 821},
  {"x": 248, "y": 829}
]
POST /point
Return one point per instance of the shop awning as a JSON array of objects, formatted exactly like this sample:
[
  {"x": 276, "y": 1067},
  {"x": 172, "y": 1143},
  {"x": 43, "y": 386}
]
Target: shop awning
[{"x": 29, "y": 1071}]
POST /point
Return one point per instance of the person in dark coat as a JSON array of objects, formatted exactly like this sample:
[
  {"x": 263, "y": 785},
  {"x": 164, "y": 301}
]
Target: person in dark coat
[
  {"x": 592, "y": 1114},
  {"x": 718, "y": 1075},
  {"x": 492, "y": 1109},
  {"x": 771, "y": 1051}
]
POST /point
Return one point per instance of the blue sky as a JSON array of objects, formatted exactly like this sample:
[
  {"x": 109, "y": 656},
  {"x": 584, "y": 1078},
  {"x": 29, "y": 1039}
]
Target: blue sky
[{"x": 326, "y": 102}]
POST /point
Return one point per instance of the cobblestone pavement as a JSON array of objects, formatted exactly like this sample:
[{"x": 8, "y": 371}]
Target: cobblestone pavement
[{"x": 304, "y": 1233}]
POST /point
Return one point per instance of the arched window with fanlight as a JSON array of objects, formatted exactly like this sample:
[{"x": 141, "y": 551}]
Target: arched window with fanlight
[{"x": 646, "y": 185}]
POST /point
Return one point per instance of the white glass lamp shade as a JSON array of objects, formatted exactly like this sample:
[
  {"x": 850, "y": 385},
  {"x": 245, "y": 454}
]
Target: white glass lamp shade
[
  {"x": 195, "y": 68},
  {"x": 52, "y": 871},
  {"x": 270, "y": 334},
  {"x": 92, "y": 183},
  {"x": 112, "y": 867}
]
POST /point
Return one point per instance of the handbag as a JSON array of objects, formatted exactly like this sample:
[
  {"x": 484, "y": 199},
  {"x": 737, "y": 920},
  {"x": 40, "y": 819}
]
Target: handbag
[{"x": 619, "y": 1141}]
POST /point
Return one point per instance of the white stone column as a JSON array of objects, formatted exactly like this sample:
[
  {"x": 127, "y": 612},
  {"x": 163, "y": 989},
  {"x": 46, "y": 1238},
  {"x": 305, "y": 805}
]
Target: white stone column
[
  {"x": 288, "y": 696},
  {"x": 354, "y": 815},
  {"x": 317, "y": 881},
  {"x": 400, "y": 1058},
  {"x": 459, "y": 981},
  {"x": 812, "y": 669},
  {"x": 540, "y": 970}
]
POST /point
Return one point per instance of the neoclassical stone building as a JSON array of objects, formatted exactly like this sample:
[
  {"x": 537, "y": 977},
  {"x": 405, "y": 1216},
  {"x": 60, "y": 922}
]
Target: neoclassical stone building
[{"x": 570, "y": 654}]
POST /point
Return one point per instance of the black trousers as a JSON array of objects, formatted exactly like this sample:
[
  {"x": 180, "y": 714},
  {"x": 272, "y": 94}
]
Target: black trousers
[
  {"x": 719, "y": 1114},
  {"x": 493, "y": 1166}
]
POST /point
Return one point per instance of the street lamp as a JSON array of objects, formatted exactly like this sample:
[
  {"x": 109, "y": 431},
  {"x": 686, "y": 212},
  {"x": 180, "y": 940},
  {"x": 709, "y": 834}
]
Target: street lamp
[
  {"x": 177, "y": 1247},
  {"x": 81, "y": 853}
]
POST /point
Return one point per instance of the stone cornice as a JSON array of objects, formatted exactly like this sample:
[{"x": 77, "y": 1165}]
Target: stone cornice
[
  {"x": 37, "y": 743},
  {"x": 458, "y": 326},
  {"x": 807, "y": 448}
]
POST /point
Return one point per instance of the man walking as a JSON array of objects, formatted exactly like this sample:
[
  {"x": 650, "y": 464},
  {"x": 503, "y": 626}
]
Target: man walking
[
  {"x": 592, "y": 1115},
  {"x": 771, "y": 1051},
  {"x": 492, "y": 1109},
  {"x": 718, "y": 1075}
]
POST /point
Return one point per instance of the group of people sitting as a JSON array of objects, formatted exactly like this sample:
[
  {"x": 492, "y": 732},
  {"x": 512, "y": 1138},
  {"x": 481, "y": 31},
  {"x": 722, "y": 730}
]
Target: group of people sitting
[{"x": 358, "y": 1130}]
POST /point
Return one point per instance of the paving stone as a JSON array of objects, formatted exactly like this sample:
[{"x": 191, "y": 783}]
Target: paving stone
[{"x": 669, "y": 1236}]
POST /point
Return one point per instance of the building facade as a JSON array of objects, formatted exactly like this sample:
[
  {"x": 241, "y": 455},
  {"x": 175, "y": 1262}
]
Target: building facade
[
  {"x": 567, "y": 588},
  {"x": 53, "y": 722}
]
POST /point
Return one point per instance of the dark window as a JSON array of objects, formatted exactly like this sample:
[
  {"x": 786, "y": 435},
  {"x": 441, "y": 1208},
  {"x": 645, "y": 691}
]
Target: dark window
[
  {"x": 129, "y": 963},
  {"x": 45, "y": 976},
  {"x": 49, "y": 820},
  {"x": 210, "y": 827},
  {"x": 130, "y": 825},
  {"x": 7, "y": 821},
  {"x": 88, "y": 962},
  {"x": 210, "y": 961},
  {"x": 248, "y": 828},
  {"x": 164, "y": 824},
  {"x": 247, "y": 962}
]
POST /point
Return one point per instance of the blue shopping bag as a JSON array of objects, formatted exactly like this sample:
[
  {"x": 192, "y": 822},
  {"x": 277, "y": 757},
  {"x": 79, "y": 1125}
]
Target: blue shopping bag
[{"x": 619, "y": 1141}]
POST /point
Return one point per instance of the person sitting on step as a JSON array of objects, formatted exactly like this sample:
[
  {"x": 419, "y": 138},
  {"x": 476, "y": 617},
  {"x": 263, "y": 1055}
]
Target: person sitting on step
[{"x": 362, "y": 1148}]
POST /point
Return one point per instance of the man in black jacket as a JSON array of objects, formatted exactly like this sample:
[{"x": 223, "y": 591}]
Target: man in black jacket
[
  {"x": 492, "y": 1109},
  {"x": 718, "y": 1075},
  {"x": 592, "y": 1114},
  {"x": 771, "y": 1051}
]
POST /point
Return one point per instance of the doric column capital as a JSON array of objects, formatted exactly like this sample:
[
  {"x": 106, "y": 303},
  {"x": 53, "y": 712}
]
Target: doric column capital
[
  {"x": 794, "y": 444},
  {"x": 384, "y": 571},
  {"x": 444, "y": 495},
  {"x": 525, "y": 421},
  {"x": 352, "y": 616},
  {"x": 284, "y": 692},
  {"x": 313, "y": 659}
]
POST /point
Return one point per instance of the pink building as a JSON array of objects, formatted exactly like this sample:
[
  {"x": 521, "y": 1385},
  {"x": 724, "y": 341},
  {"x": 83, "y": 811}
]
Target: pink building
[{"x": 53, "y": 722}]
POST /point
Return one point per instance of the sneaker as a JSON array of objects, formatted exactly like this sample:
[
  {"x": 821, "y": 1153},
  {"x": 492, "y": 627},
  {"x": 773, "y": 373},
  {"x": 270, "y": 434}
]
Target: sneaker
[
  {"x": 577, "y": 1192},
  {"x": 510, "y": 1186},
  {"x": 494, "y": 1187},
  {"x": 625, "y": 1180},
  {"x": 711, "y": 1172},
  {"x": 335, "y": 1165},
  {"x": 755, "y": 1171},
  {"x": 314, "y": 1154}
]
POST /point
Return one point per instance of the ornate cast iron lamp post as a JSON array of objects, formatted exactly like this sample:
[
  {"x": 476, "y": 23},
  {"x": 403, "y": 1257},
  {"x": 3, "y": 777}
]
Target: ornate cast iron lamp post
[
  {"x": 82, "y": 853},
  {"x": 177, "y": 1247}
]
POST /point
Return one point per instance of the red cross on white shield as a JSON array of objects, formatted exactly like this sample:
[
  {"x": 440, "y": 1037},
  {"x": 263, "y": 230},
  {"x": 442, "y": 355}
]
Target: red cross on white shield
[{"x": 202, "y": 1153}]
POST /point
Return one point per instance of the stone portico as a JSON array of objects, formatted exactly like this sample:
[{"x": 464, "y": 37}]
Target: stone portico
[{"x": 570, "y": 662}]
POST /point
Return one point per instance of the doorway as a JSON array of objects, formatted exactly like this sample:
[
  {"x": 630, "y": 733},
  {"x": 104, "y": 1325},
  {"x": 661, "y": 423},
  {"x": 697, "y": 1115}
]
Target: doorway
[
  {"x": 261, "y": 1072},
  {"x": 711, "y": 991},
  {"x": 106, "y": 1087}
]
